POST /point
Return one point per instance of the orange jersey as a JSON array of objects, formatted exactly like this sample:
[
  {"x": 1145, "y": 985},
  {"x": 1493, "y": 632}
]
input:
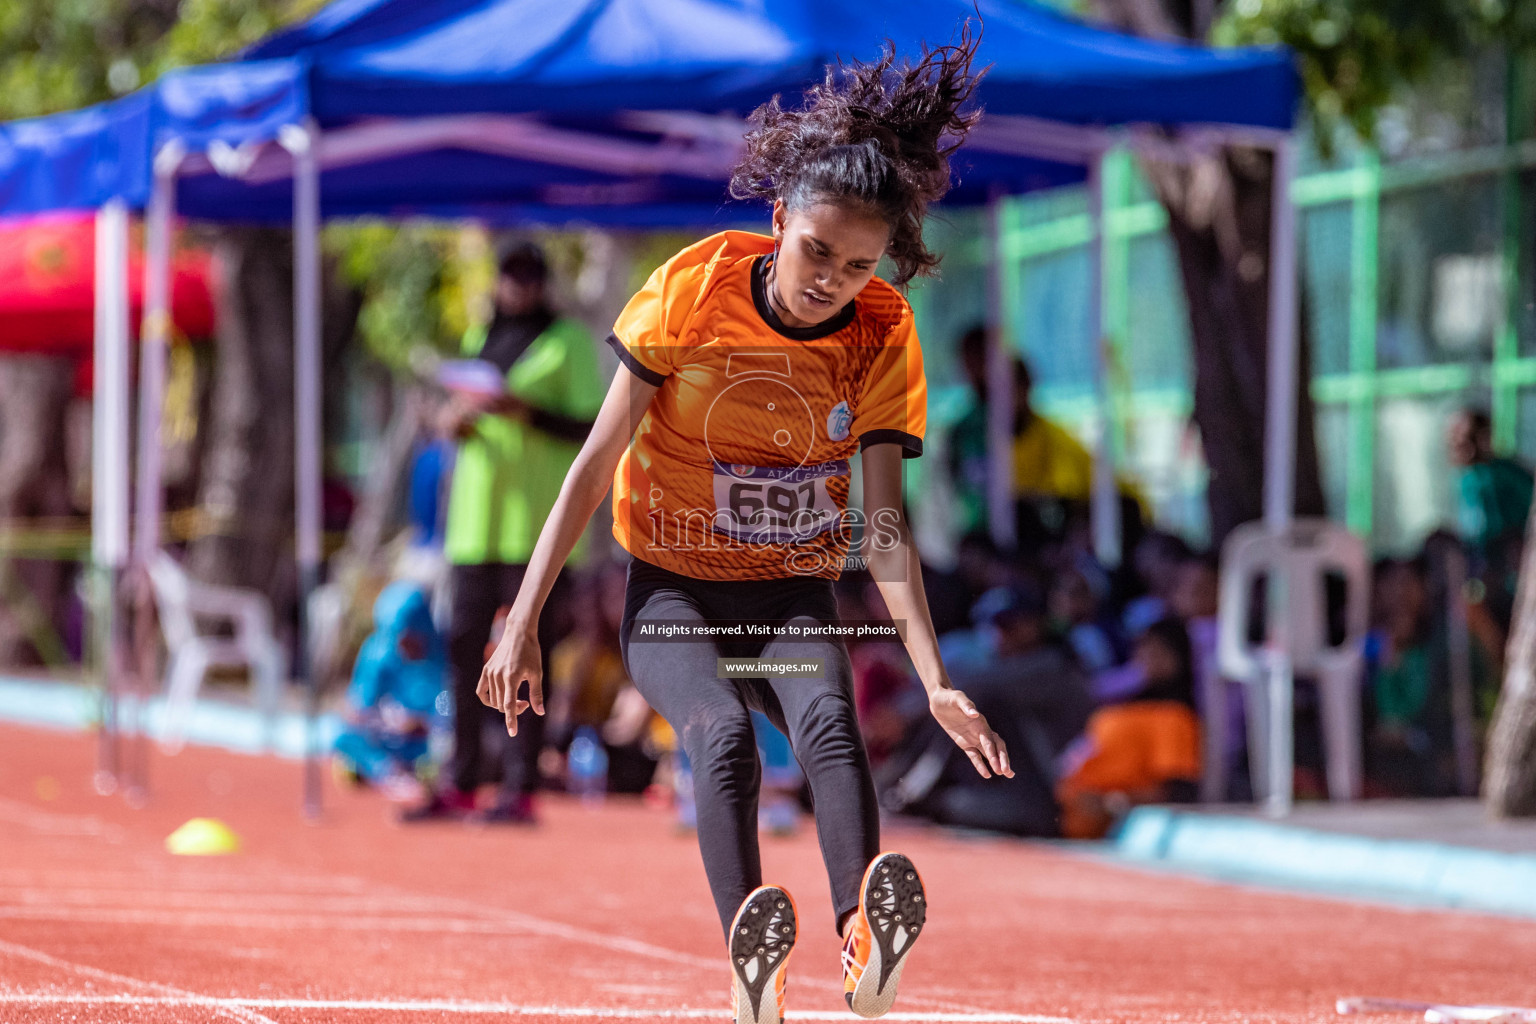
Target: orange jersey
[{"x": 739, "y": 469}]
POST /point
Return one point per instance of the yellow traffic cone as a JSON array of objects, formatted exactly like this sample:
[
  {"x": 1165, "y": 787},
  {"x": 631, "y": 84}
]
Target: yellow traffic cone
[{"x": 202, "y": 837}]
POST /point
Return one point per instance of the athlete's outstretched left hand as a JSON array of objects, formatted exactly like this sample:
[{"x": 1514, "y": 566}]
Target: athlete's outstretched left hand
[
  {"x": 970, "y": 731},
  {"x": 515, "y": 659}
]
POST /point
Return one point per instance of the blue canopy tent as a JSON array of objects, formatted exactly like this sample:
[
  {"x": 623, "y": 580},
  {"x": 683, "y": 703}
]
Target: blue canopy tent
[
  {"x": 434, "y": 82},
  {"x": 610, "y": 111},
  {"x": 394, "y": 58}
]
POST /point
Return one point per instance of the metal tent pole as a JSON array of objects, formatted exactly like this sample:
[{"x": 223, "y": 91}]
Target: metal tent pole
[
  {"x": 1280, "y": 472},
  {"x": 154, "y": 341},
  {"x": 109, "y": 468},
  {"x": 1000, "y": 502},
  {"x": 1280, "y": 403},
  {"x": 1105, "y": 505},
  {"x": 303, "y": 143}
]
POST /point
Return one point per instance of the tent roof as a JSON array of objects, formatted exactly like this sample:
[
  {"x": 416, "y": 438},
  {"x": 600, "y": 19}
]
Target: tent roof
[
  {"x": 486, "y": 184},
  {"x": 413, "y": 57},
  {"x": 588, "y": 109},
  {"x": 82, "y": 158}
]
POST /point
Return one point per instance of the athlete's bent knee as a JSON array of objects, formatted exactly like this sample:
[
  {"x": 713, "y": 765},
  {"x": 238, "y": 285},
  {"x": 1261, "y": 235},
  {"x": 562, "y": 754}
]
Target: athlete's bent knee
[
  {"x": 828, "y": 732},
  {"x": 723, "y": 747}
]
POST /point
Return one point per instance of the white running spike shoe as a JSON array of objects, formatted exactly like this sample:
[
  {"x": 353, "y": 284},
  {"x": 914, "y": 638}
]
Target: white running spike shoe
[
  {"x": 762, "y": 937},
  {"x": 892, "y": 910}
]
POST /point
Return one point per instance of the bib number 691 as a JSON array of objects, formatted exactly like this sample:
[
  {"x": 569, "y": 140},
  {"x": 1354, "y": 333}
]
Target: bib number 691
[{"x": 750, "y": 501}]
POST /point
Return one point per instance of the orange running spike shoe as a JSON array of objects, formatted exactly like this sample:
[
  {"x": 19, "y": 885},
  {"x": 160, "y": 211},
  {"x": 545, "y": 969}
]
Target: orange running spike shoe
[
  {"x": 892, "y": 909},
  {"x": 762, "y": 936}
]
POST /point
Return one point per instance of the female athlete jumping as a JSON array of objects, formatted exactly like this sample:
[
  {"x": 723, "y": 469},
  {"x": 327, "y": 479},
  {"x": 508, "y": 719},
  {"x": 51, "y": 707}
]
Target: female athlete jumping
[{"x": 754, "y": 369}]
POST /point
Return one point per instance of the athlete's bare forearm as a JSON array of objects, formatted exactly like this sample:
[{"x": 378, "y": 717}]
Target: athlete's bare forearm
[
  {"x": 893, "y": 561},
  {"x": 898, "y": 574},
  {"x": 585, "y": 487}
]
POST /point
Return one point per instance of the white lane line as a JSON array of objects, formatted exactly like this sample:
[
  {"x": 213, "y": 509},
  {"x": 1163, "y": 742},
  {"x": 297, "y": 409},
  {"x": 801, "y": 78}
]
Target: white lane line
[
  {"x": 492, "y": 917},
  {"x": 441, "y": 926},
  {"x": 507, "y": 921},
  {"x": 222, "y": 1008},
  {"x": 608, "y": 943},
  {"x": 483, "y": 922},
  {"x": 510, "y": 1009},
  {"x": 223, "y": 919},
  {"x": 54, "y": 824},
  {"x": 189, "y": 879},
  {"x": 270, "y": 903}
]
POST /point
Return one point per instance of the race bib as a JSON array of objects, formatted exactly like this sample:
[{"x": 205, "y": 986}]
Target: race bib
[{"x": 775, "y": 504}]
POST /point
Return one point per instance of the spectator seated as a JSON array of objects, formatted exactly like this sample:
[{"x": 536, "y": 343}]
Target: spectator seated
[{"x": 397, "y": 698}]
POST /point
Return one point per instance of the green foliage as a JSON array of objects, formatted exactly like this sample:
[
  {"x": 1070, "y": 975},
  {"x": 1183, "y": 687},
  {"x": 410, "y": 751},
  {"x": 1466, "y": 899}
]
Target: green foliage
[
  {"x": 653, "y": 250},
  {"x": 424, "y": 283},
  {"x": 1353, "y": 55},
  {"x": 59, "y": 55},
  {"x": 63, "y": 54},
  {"x": 208, "y": 30},
  {"x": 421, "y": 283}
]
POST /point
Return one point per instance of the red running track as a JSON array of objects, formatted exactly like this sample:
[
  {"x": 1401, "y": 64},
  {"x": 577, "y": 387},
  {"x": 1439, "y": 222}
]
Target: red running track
[{"x": 604, "y": 915}]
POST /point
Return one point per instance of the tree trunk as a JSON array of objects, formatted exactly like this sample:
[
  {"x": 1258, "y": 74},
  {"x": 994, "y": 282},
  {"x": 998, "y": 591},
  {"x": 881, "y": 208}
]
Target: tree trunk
[
  {"x": 34, "y": 484},
  {"x": 246, "y": 496},
  {"x": 1219, "y": 216},
  {"x": 247, "y": 490},
  {"x": 1509, "y": 768}
]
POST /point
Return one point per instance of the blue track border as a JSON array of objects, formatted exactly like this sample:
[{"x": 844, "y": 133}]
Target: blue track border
[
  {"x": 76, "y": 707},
  {"x": 1243, "y": 849}
]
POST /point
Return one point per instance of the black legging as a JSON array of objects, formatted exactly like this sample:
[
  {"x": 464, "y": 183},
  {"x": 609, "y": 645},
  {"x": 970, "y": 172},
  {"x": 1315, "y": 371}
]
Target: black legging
[{"x": 711, "y": 716}]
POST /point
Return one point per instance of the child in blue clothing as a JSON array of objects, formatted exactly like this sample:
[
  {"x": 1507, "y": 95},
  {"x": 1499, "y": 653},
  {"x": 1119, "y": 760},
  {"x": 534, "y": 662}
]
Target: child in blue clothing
[{"x": 397, "y": 697}]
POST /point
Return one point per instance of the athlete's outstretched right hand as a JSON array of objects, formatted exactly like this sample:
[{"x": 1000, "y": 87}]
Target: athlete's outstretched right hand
[
  {"x": 515, "y": 659},
  {"x": 970, "y": 731}
]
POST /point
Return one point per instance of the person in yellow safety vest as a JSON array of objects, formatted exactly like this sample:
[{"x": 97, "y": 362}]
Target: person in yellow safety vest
[
  {"x": 1052, "y": 470},
  {"x": 515, "y": 450}
]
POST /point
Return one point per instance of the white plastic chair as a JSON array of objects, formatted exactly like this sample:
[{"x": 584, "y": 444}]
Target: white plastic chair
[
  {"x": 181, "y": 602},
  {"x": 1297, "y": 564}
]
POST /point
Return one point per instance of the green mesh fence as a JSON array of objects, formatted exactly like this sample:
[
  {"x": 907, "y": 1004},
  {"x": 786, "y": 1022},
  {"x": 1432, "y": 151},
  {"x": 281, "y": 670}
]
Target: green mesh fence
[{"x": 1419, "y": 280}]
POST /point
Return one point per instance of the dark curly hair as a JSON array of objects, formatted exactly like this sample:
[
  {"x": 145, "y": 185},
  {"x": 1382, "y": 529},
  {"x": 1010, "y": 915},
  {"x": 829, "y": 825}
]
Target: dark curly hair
[{"x": 876, "y": 134}]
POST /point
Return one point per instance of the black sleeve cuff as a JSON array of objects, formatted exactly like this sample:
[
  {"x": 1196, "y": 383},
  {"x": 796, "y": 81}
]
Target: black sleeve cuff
[
  {"x": 911, "y": 444},
  {"x": 636, "y": 367}
]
